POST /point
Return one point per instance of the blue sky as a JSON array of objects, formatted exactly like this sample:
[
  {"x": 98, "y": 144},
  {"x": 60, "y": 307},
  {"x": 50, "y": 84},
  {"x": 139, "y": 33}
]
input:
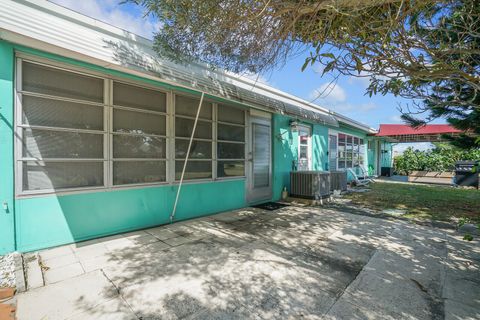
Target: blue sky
[{"x": 346, "y": 97}]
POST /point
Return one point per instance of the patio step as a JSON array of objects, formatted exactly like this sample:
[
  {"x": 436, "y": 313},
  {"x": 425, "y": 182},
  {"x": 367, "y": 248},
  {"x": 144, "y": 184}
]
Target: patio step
[{"x": 33, "y": 271}]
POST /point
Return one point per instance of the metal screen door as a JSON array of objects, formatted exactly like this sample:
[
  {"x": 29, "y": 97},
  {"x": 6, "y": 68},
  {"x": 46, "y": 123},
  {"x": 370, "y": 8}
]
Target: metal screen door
[
  {"x": 332, "y": 152},
  {"x": 260, "y": 175}
]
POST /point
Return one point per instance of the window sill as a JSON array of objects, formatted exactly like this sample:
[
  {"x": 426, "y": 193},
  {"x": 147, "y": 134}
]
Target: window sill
[{"x": 62, "y": 192}]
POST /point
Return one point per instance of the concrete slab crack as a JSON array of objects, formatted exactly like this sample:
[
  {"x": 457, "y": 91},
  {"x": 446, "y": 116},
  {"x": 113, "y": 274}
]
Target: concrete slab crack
[
  {"x": 348, "y": 284},
  {"x": 117, "y": 289}
]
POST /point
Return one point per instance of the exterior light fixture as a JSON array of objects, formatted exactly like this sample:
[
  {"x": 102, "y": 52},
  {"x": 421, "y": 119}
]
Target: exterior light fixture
[{"x": 294, "y": 125}]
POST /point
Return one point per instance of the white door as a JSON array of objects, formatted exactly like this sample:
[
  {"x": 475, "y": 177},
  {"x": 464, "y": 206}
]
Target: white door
[
  {"x": 304, "y": 149},
  {"x": 260, "y": 160}
]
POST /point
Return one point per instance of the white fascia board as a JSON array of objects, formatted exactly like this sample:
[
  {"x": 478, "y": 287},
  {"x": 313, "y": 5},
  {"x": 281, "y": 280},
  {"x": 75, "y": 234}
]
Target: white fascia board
[{"x": 53, "y": 28}]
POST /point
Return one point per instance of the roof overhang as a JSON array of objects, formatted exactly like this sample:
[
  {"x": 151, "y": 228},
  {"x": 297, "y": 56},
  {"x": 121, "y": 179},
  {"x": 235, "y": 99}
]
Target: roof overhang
[{"x": 55, "y": 29}]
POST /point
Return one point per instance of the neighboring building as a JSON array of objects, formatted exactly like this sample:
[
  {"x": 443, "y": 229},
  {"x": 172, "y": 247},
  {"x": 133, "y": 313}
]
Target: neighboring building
[{"x": 94, "y": 130}]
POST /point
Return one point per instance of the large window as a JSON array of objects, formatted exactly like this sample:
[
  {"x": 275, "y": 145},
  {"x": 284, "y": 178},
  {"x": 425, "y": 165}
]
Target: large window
[
  {"x": 351, "y": 151},
  {"x": 77, "y": 130},
  {"x": 199, "y": 165},
  {"x": 61, "y": 128},
  {"x": 230, "y": 142},
  {"x": 139, "y": 131}
]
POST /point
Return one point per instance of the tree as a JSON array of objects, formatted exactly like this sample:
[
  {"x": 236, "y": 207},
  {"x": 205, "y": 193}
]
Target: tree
[{"x": 424, "y": 50}]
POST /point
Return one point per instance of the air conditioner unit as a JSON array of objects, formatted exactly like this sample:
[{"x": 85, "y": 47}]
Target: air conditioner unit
[
  {"x": 338, "y": 180},
  {"x": 310, "y": 184}
]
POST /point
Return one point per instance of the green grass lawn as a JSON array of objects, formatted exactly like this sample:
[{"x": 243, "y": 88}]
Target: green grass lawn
[{"x": 422, "y": 201}]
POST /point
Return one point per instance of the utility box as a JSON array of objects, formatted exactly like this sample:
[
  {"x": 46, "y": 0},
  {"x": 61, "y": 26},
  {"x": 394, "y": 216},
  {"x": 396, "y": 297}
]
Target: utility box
[
  {"x": 466, "y": 173},
  {"x": 338, "y": 180},
  {"x": 310, "y": 184}
]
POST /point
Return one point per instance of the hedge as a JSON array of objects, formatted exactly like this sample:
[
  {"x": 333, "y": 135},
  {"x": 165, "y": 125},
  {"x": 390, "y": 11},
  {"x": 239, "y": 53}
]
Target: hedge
[{"x": 438, "y": 159}]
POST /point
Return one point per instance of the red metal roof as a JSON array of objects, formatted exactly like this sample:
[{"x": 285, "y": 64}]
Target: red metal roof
[{"x": 403, "y": 129}]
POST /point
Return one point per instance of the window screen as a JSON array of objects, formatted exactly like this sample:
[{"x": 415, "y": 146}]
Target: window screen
[
  {"x": 231, "y": 142},
  {"x": 187, "y": 106},
  {"x": 195, "y": 170},
  {"x": 62, "y": 142},
  {"x": 59, "y": 83},
  {"x": 56, "y": 113},
  {"x": 45, "y": 144},
  {"x": 72, "y": 133},
  {"x": 198, "y": 150},
  {"x": 61, "y": 175},
  {"x": 184, "y": 127},
  {"x": 138, "y": 122},
  {"x": 137, "y": 172},
  {"x": 230, "y": 114},
  {"x": 139, "y": 136},
  {"x": 200, "y": 160},
  {"x": 136, "y": 97},
  {"x": 127, "y": 146}
]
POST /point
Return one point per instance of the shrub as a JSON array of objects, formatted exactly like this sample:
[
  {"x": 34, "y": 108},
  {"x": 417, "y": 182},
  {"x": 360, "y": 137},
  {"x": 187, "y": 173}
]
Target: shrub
[{"x": 438, "y": 159}]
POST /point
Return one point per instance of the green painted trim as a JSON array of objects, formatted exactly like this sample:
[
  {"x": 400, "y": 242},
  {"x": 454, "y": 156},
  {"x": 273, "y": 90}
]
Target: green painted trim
[{"x": 7, "y": 217}]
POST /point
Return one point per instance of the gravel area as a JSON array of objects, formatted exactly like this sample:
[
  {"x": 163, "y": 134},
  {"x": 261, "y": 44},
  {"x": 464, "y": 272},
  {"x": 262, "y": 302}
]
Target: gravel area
[{"x": 7, "y": 271}]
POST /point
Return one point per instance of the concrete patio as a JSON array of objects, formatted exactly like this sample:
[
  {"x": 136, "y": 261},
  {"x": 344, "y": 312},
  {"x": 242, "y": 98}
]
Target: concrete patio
[{"x": 296, "y": 262}]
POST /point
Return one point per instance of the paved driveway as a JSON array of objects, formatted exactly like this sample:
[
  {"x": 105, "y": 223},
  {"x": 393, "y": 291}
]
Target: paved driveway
[{"x": 293, "y": 263}]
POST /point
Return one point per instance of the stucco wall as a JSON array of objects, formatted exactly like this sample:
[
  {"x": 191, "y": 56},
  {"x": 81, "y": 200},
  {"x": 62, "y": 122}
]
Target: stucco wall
[
  {"x": 7, "y": 218},
  {"x": 51, "y": 220}
]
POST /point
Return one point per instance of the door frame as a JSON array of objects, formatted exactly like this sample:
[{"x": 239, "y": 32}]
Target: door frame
[
  {"x": 262, "y": 120},
  {"x": 309, "y": 146}
]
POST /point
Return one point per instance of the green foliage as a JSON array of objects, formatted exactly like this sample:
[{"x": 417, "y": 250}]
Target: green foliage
[
  {"x": 438, "y": 159},
  {"x": 462, "y": 221},
  {"x": 468, "y": 237},
  {"x": 427, "y": 51}
]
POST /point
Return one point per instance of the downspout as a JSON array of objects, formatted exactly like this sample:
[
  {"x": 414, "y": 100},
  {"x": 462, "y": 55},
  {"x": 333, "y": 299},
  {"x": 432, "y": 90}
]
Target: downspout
[{"x": 172, "y": 215}]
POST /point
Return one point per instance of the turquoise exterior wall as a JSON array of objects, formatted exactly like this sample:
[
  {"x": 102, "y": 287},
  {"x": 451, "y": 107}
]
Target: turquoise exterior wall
[
  {"x": 7, "y": 217},
  {"x": 319, "y": 147},
  {"x": 285, "y": 152},
  {"x": 37, "y": 222},
  {"x": 54, "y": 220}
]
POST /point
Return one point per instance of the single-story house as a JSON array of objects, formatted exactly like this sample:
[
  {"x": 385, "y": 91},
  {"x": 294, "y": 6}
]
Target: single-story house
[{"x": 95, "y": 128}]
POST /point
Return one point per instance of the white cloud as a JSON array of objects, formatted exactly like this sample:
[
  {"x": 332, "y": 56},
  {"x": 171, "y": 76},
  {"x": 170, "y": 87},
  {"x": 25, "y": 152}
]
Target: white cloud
[
  {"x": 334, "y": 97},
  {"x": 329, "y": 93},
  {"x": 362, "y": 81},
  {"x": 353, "y": 108},
  {"x": 396, "y": 119},
  {"x": 110, "y": 11},
  {"x": 422, "y": 146}
]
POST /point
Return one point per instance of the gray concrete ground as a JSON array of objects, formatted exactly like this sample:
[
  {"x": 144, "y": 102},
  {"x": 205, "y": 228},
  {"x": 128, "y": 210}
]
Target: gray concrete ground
[{"x": 296, "y": 262}]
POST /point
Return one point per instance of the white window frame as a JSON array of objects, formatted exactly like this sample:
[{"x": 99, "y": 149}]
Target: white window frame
[
  {"x": 112, "y": 133},
  {"x": 245, "y": 142},
  {"x": 107, "y": 132},
  {"x": 211, "y": 140},
  {"x": 19, "y": 126},
  {"x": 309, "y": 145},
  {"x": 336, "y": 133}
]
